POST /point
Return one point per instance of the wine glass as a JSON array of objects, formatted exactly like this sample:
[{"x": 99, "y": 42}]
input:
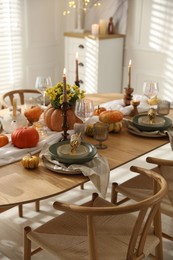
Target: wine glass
[
  {"x": 42, "y": 83},
  {"x": 101, "y": 131},
  {"x": 150, "y": 89},
  {"x": 84, "y": 109}
]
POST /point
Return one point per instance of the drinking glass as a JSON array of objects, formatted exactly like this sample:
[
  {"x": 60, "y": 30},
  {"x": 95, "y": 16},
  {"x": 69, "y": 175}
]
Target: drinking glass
[
  {"x": 84, "y": 109},
  {"x": 163, "y": 107},
  {"x": 42, "y": 83},
  {"x": 150, "y": 89},
  {"x": 101, "y": 131}
]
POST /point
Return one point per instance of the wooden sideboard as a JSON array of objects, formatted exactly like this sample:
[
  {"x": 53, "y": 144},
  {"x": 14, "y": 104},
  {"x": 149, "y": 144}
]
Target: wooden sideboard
[{"x": 100, "y": 61}]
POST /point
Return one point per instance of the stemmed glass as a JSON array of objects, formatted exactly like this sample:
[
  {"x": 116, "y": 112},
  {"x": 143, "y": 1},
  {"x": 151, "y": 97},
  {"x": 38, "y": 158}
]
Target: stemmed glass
[
  {"x": 42, "y": 83},
  {"x": 84, "y": 109},
  {"x": 150, "y": 89},
  {"x": 101, "y": 131}
]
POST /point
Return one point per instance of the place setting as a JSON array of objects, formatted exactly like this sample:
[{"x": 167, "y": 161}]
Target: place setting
[
  {"x": 71, "y": 154},
  {"x": 155, "y": 121}
]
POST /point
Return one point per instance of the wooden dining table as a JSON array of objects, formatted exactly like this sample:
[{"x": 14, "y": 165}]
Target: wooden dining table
[{"x": 19, "y": 185}]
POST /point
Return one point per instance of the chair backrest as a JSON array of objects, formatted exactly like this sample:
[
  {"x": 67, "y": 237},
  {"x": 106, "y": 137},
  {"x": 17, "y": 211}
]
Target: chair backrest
[
  {"x": 165, "y": 168},
  {"x": 7, "y": 98},
  {"x": 148, "y": 211}
]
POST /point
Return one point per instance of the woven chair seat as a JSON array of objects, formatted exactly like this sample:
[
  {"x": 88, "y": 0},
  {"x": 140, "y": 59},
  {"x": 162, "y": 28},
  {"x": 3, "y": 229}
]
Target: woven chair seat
[{"x": 68, "y": 235}]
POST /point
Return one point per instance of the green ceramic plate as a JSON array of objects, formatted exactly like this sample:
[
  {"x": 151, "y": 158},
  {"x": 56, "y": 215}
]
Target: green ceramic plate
[
  {"x": 71, "y": 159},
  {"x": 153, "y": 127}
]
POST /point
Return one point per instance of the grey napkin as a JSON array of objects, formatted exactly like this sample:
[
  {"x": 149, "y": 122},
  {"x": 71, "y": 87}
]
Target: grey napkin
[
  {"x": 97, "y": 169},
  {"x": 156, "y": 133}
]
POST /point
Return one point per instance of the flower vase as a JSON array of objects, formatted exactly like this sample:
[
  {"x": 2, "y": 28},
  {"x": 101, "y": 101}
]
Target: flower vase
[{"x": 80, "y": 17}]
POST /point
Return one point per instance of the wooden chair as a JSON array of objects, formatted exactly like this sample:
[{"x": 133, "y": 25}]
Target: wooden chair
[
  {"x": 99, "y": 229},
  {"x": 138, "y": 187},
  {"x": 6, "y": 101},
  {"x": 20, "y": 94}
]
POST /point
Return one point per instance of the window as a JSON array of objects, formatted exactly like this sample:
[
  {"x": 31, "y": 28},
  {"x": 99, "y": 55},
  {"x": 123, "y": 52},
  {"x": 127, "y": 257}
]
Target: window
[{"x": 11, "y": 44}]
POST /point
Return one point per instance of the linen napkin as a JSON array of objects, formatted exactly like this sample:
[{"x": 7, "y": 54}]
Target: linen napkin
[
  {"x": 10, "y": 154},
  {"x": 126, "y": 110},
  {"x": 156, "y": 133},
  {"x": 97, "y": 170}
]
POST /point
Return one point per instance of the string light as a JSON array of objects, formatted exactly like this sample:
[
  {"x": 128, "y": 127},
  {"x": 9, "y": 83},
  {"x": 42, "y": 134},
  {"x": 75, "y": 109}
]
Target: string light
[{"x": 86, "y": 5}]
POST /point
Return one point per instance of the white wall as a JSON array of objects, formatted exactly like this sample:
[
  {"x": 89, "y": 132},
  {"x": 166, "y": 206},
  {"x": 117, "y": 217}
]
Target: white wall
[
  {"x": 149, "y": 44},
  {"x": 44, "y": 40}
]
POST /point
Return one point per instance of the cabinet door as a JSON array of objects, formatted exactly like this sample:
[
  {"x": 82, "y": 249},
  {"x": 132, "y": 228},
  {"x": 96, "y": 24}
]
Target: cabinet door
[
  {"x": 110, "y": 60},
  {"x": 73, "y": 46}
]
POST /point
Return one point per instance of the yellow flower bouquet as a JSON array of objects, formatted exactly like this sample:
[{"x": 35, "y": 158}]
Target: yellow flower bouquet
[{"x": 55, "y": 94}]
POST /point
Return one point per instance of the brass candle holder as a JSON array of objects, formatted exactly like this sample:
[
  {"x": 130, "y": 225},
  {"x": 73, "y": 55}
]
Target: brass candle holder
[
  {"x": 135, "y": 104},
  {"x": 65, "y": 126}
]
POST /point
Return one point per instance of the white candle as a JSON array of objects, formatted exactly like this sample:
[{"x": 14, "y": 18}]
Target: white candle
[
  {"x": 95, "y": 29},
  {"x": 102, "y": 26},
  {"x": 14, "y": 107},
  {"x": 129, "y": 72},
  {"x": 64, "y": 86}
]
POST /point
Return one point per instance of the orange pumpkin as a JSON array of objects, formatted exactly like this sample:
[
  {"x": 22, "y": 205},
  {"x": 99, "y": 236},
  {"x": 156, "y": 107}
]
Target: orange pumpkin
[
  {"x": 99, "y": 110},
  {"x": 54, "y": 119},
  {"x": 25, "y": 137},
  {"x": 3, "y": 140},
  {"x": 33, "y": 114},
  {"x": 111, "y": 116}
]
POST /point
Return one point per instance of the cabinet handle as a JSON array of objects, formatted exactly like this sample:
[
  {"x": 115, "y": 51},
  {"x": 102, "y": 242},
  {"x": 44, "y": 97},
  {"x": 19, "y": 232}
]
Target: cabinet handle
[
  {"x": 81, "y": 46},
  {"x": 81, "y": 81},
  {"x": 81, "y": 64}
]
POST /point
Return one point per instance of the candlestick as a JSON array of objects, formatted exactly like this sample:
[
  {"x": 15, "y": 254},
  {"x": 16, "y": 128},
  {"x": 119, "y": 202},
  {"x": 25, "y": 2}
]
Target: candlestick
[
  {"x": 129, "y": 73},
  {"x": 135, "y": 104},
  {"x": 77, "y": 78},
  {"x": 77, "y": 73},
  {"x": 65, "y": 126},
  {"x": 14, "y": 107},
  {"x": 64, "y": 86}
]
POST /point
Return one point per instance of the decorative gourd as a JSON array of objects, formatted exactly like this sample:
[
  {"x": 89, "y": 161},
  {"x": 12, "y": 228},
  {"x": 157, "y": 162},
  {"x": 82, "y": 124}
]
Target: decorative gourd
[
  {"x": 33, "y": 114},
  {"x": 54, "y": 119},
  {"x": 111, "y": 116},
  {"x": 3, "y": 140},
  {"x": 115, "y": 127},
  {"x": 90, "y": 130},
  {"x": 99, "y": 110},
  {"x": 25, "y": 137},
  {"x": 30, "y": 161}
]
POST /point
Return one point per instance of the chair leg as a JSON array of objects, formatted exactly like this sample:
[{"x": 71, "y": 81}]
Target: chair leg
[
  {"x": 20, "y": 210},
  {"x": 82, "y": 186},
  {"x": 158, "y": 232},
  {"x": 114, "y": 194},
  {"x": 27, "y": 244},
  {"x": 37, "y": 205}
]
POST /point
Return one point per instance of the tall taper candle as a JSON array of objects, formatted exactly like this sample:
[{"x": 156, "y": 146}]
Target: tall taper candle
[
  {"x": 64, "y": 86},
  {"x": 77, "y": 76},
  {"x": 129, "y": 73}
]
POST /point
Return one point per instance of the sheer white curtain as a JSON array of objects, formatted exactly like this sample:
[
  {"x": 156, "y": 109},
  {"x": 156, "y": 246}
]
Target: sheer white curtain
[{"x": 11, "y": 44}]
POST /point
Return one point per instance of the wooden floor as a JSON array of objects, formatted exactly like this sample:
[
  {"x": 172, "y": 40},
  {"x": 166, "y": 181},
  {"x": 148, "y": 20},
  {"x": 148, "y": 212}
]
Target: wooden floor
[{"x": 11, "y": 226}]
